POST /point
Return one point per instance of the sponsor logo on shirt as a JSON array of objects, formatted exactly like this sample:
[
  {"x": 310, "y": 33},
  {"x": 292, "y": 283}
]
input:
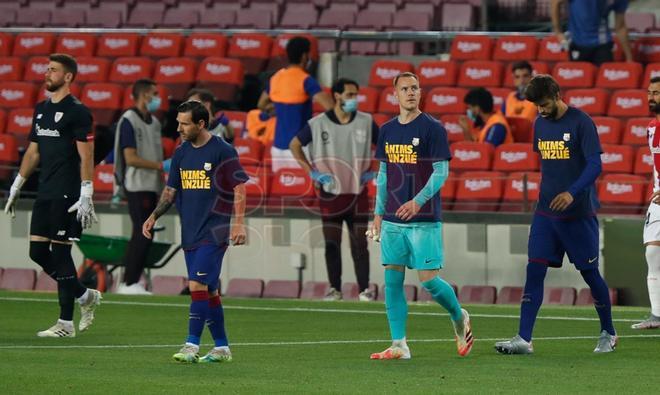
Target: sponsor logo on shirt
[
  {"x": 47, "y": 132},
  {"x": 194, "y": 179},
  {"x": 553, "y": 149},
  {"x": 400, "y": 153}
]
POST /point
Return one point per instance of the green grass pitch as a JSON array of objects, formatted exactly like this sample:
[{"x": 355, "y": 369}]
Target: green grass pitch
[{"x": 311, "y": 347}]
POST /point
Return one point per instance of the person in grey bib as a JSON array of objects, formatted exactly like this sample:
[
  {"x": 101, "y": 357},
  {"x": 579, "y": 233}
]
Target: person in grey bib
[{"x": 339, "y": 162}]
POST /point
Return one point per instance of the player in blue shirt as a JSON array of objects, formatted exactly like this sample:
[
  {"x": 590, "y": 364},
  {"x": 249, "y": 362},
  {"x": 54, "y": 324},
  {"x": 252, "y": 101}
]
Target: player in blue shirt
[
  {"x": 588, "y": 24},
  {"x": 565, "y": 219},
  {"x": 207, "y": 182},
  {"x": 414, "y": 163}
]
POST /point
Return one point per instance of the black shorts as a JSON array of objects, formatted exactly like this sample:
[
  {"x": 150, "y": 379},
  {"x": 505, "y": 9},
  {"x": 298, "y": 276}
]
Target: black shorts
[{"x": 50, "y": 219}]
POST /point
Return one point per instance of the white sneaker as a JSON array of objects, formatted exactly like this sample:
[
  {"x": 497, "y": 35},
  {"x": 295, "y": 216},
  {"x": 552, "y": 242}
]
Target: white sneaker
[
  {"x": 133, "y": 289},
  {"x": 366, "y": 296},
  {"x": 332, "y": 295},
  {"x": 58, "y": 330},
  {"x": 87, "y": 309}
]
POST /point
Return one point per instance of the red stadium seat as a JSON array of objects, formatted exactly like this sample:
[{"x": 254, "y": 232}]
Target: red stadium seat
[
  {"x": 34, "y": 44},
  {"x": 168, "y": 147},
  {"x": 437, "y": 73},
  {"x": 76, "y": 44},
  {"x": 104, "y": 100},
  {"x": 351, "y": 291},
  {"x": 202, "y": 45},
  {"x": 8, "y": 154},
  {"x": 317, "y": 108},
  {"x": 445, "y": 101},
  {"x": 278, "y": 58},
  {"x": 635, "y": 131},
  {"x": 574, "y": 74},
  {"x": 19, "y": 121},
  {"x": 3, "y": 121},
  {"x": 282, "y": 289},
  {"x": 380, "y": 119},
  {"x": 162, "y": 45},
  {"x": 249, "y": 151},
  {"x": 617, "y": 158},
  {"x": 104, "y": 179},
  {"x": 515, "y": 157},
  {"x": 514, "y": 190},
  {"x": 521, "y": 129},
  {"x": 45, "y": 283},
  {"x": 237, "y": 120},
  {"x": 615, "y": 75},
  {"x": 252, "y": 49},
  {"x": 480, "y": 73},
  {"x": 538, "y": 67},
  {"x": 222, "y": 76},
  {"x": 622, "y": 193},
  {"x": 35, "y": 69},
  {"x": 652, "y": 70},
  {"x": 648, "y": 49},
  {"x": 509, "y": 295},
  {"x": 43, "y": 93},
  {"x": 388, "y": 103},
  {"x": 6, "y": 44},
  {"x": 383, "y": 71},
  {"x": 643, "y": 161},
  {"x": 17, "y": 94},
  {"x": 559, "y": 295},
  {"x": 168, "y": 285},
  {"x": 11, "y": 68},
  {"x": 116, "y": 45},
  {"x": 479, "y": 191},
  {"x": 499, "y": 96},
  {"x": 584, "y": 297},
  {"x": 177, "y": 74},
  {"x": 258, "y": 186},
  {"x": 550, "y": 50},
  {"x": 245, "y": 288},
  {"x": 628, "y": 103},
  {"x": 609, "y": 129},
  {"x": 92, "y": 69},
  {"x": 314, "y": 290},
  {"x": 593, "y": 101},
  {"x": 18, "y": 279},
  {"x": 162, "y": 93},
  {"x": 368, "y": 99},
  {"x": 514, "y": 47},
  {"x": 484, "y": 294},
  {"x": 129, "y": 69},
  {"x": 471, "y": 47},
  {"x": 292, "y": 183},
  {"x": 468, "y": 155},
  {"x": 454, "y": 130}
]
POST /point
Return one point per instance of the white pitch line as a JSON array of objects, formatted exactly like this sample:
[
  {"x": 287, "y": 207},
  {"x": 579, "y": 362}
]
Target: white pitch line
[
  {"x": 303, "y": 343},
  {"x": 318, "y": 310}
]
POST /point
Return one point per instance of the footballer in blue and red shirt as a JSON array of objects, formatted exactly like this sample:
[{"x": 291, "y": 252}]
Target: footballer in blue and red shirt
[
  {"x": 565, "y": 220},
  {"x": 206, "y": 182}
]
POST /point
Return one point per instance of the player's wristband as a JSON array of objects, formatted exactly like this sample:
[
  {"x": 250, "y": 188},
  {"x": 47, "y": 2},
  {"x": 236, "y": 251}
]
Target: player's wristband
[
  {"x": 18, "y": 181},
  {"x": 86, "y": 189}
]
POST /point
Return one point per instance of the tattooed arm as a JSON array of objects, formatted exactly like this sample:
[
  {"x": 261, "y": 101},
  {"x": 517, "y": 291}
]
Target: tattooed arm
[{"x": 164, "y": 204}]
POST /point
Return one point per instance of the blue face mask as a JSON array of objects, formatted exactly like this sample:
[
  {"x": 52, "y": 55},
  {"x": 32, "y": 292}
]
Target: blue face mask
[
  {"x": 349, "y": 105},
  {"x": 154, "y": 104},
  {"x": 472, "y": 116}
]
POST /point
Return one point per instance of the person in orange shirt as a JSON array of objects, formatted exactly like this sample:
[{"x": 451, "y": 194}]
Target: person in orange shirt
[
  {"x": 260, "y": 125},
  {"x": 515, "y": 104},
  {"x": 494, "y": 128}
]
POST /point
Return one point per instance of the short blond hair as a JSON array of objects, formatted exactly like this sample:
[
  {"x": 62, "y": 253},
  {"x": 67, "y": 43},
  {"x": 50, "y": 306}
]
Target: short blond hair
[{"x": 405, "y": 74}]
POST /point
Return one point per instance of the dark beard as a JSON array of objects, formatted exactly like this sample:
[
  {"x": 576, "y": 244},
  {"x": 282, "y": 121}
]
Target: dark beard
[
  {"x": 54, "y": 87},
  {"x": 654, "y": 108}
]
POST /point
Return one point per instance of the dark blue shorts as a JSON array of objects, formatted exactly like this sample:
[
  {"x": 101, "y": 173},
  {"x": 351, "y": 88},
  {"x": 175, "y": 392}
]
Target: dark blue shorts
[
  {"x": 551, "y": 238},
  {"x": 204, "y": 263}
]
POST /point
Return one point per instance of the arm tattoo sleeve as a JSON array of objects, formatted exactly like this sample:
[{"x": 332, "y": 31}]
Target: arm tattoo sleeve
[{"x": 165, "y": 202}]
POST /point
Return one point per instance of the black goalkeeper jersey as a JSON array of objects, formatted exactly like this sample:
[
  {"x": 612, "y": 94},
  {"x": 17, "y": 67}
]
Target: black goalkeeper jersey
[{"x": 56, "y": 127}]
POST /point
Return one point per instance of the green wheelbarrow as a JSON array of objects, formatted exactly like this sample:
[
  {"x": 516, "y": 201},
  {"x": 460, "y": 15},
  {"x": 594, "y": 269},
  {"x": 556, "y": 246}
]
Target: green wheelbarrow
[{"x": 104, "y": 254}]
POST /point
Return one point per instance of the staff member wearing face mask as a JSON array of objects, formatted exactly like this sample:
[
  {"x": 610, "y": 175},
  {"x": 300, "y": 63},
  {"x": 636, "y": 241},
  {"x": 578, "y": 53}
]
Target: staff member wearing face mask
[
  {"x": 493, "y": 127},
  {"x": 138, "y": 175},
  {"x": 515, "y": 104},
  {"x": 339, "y": 161}
]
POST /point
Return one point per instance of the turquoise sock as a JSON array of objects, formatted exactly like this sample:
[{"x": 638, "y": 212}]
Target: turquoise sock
[
  {"x": 395, "y": 303},
  {"x": 444, "y": 294}
]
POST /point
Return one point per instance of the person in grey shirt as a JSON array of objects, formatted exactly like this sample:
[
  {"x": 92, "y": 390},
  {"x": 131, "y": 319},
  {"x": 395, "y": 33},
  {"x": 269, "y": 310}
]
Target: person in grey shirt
[{"x": 339, "y": 162}]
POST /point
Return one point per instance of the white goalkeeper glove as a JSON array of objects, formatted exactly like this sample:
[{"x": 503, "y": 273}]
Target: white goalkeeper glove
[
  {"x": 84, "y": 207},
  {"x": 13, "y": 195}
]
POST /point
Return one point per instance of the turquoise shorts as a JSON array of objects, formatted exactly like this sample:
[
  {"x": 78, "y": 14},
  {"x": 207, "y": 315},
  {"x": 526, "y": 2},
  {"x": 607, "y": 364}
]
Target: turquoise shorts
[{"x": 417, "y": 246}]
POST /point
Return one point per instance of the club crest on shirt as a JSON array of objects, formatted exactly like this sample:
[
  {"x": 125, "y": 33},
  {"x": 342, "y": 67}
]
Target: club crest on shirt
[
  {"x": 207, "y": 166},
  {"x": 415, "y": 141},
  {"x": 39, "y": 116},
  {"x": 58, "y": 116},
  {"x": 567, "y": 137}
]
